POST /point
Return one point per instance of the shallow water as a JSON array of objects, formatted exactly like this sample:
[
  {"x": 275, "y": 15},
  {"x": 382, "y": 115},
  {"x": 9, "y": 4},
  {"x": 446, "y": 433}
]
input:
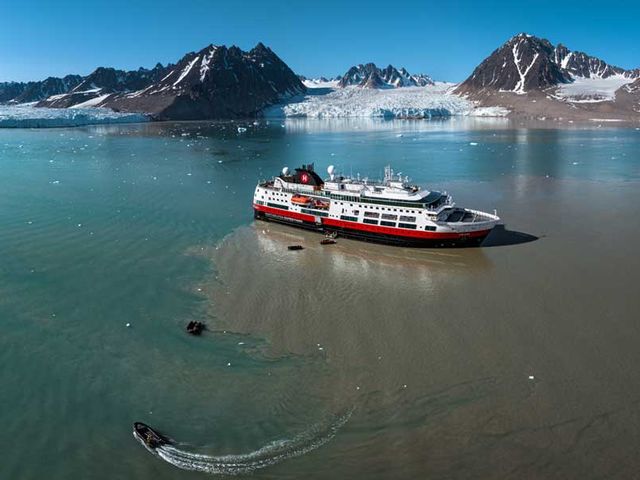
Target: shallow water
[{"x": 430, "y": 351}]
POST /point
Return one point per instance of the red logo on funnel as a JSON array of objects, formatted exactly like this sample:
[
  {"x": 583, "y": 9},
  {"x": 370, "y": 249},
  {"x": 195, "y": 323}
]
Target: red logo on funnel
[{"x": 304, "y": 178}]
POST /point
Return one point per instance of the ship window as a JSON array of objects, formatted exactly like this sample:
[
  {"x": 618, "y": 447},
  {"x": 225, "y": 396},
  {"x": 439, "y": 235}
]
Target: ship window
[
  {"x": 356, "y": 212},
  {"x": 404, "y": 218},
  {"x": 372, "y": 214},
  {"x": 348, "y": 218},
  {"x": 369, "y": 220},
  {"x": 275, "y": 205},
  {"x": 387, "y": 224},
  {"x": 407, "y": 225},
  {"x": 387, "y": 216},
  {"x": 430, "y": 228}
]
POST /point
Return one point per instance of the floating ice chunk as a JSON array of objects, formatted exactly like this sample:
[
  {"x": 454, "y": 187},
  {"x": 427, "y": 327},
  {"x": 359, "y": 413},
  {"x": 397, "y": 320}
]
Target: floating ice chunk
[
  {"x": 400, "y": 135},
  {"x": 128, "y": 325},
  {"x": 531, "y": 377},
  {"x": 473, "y": 144},
  {"x": 241, "y": 129}
]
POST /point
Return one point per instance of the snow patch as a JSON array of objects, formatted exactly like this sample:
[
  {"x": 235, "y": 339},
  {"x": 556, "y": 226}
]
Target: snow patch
[
  {"x": 204, "y": 66},
  {"x": 591, "y": 90},
  {"x": 519, "y": 89},
  {"x": 92, "y": 102},
  {"x": 186, "y": 70}
]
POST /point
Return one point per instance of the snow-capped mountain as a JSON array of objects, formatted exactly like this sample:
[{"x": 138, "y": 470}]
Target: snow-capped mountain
[
  {"x": 23, "y": 92},
  {"x": 216, "y": 82},
  {"x": 370, "y": 76},
  {"x": 526, "y": 63}
]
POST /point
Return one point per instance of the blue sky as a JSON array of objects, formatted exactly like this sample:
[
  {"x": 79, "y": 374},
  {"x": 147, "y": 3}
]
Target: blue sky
[{"x": 445, "y": 39}]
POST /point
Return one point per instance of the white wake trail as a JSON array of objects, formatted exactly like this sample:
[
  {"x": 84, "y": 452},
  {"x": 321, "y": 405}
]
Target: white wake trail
[{"x": 270, "y": 454}]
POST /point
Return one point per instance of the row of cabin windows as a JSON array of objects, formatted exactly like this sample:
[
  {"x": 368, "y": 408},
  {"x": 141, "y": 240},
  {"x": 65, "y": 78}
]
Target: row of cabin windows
[
  {"x": 411, "y": 226},
  {"x": 382, "y": 208},
  {"x": 348, "y": 218},
  {"x": 277, "y": 205},
  {"x": 387, "y": 216},
  {"x": 314, "y": 212},
  {"x": 399, "y": 203}
]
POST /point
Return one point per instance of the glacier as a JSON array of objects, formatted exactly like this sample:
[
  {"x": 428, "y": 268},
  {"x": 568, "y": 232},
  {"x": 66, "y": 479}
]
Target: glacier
[
  {"x": 30, "y": 116},
  {"x": 591, "y": 90},
  {"x": 433, "y": 101}
]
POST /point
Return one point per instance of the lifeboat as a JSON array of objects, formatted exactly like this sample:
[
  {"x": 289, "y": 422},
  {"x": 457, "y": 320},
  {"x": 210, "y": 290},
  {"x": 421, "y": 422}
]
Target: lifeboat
[
  {"x": 300, "y": 200},
  {"x": 321, "y": 205}
]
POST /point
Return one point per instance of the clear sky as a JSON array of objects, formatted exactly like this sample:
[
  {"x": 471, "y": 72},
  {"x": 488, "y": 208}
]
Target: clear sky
[{"x": 445, "y": 39}]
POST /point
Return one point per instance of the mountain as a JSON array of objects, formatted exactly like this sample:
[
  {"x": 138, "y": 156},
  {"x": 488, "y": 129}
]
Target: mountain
[
  {"x": 526, "y": 63},
  {"x": 23, "y": 92},
  {"x": 11, "y": 90},
  {"x": 370, "y": 76},
  {"x": 94, "y": 87},
  {"x": 216, "y": 82}
]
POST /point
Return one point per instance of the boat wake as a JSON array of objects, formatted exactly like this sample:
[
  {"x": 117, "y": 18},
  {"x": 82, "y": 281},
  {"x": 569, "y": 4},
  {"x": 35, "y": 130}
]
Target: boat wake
[{"x": 270, "y": 454}]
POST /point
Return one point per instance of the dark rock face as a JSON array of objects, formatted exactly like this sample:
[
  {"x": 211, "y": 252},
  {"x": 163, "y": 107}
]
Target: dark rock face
[
  {"x": 370, "y": 76},
  {"x": 523, "y": 63},
  {"x": 110, "y": 80},
  {"x": 23, "y": 92},
  {"x": 633, "y": 87},
  {"x": 11, "y": 90},
  {"x": 216, "y": 82},
  {"x": 526, "y": 63}
]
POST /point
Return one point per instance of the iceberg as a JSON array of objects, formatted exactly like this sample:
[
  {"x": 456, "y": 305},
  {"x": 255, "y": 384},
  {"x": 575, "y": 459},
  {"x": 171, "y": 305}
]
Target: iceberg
[{"x": 29, "y": 116}]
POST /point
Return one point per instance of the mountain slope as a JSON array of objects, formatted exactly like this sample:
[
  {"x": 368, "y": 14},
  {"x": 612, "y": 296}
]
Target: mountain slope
[
  {"x": 526, "y": 63},
  {"x": 23, "y": 92},
  {"x": 531, "y": 77},
  {"x": 216, "y": 82}
]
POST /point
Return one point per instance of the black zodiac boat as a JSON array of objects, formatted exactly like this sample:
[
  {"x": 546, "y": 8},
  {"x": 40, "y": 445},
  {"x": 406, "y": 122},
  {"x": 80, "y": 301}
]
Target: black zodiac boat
[{"x": 148, "y": 436}]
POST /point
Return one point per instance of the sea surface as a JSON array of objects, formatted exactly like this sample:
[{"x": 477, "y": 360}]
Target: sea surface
[{"x": 516, "y": 360}]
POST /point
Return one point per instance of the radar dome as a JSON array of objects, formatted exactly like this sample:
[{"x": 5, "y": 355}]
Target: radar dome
[
  {"x": 331, "y": 170},
  {"x": 285, "y": 171}
]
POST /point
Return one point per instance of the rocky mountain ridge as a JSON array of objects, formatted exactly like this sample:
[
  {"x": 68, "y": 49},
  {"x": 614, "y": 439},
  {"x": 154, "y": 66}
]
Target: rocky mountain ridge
[
  {"x": 527, "y": 63},
  {"x": 370, "y": 76},
  {"x": 216, "y": 82}
]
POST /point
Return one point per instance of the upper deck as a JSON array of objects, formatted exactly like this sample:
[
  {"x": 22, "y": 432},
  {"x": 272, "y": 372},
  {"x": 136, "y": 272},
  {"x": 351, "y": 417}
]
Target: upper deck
[{"x": 392, "y": 190}]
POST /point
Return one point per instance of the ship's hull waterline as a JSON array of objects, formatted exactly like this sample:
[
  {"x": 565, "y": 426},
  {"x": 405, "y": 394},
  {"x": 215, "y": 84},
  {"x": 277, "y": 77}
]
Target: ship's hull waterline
[{"x": 373, "y": 234}]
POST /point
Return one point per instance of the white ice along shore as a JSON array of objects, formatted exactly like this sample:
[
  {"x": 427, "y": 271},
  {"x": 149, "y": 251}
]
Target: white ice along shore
[
  {"x": 28, "y": 116},
  {"x": 433, "y": 101}
]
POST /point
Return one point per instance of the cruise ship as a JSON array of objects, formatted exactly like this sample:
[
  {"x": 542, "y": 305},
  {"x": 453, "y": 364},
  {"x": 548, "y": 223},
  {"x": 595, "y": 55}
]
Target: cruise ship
[{"x": 391, "y": 211}]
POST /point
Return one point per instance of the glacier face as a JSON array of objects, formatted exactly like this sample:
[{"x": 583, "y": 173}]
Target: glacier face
[
  {"x": 29, "y": 116},
  {"x": 433, "y": 101}
]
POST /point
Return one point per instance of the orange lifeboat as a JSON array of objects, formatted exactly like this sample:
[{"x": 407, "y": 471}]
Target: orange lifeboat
[{"x": 300, "y": 200}]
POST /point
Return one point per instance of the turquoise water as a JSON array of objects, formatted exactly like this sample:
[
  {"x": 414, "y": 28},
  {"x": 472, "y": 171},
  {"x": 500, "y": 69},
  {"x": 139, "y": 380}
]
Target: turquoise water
[{"x": 360, "y": 360}]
